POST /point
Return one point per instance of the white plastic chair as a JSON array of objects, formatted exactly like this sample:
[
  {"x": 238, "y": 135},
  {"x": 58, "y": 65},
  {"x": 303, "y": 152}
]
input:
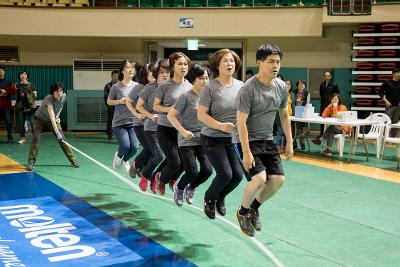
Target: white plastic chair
[
  {"x": 392, "y": 140},
  {"x": 375, "y": 133}
]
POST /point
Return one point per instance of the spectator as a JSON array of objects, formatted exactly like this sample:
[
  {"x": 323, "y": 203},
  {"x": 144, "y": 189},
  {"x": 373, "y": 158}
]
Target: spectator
[
  {"x": 391, "y": 95},
  {"x": 326, "y": 89},
  {"x": 110, "y": 109},
  {"x": 7, "y": 89},
  {"x": 302, "y": 97},
  {"x": 249, "y": 74}
]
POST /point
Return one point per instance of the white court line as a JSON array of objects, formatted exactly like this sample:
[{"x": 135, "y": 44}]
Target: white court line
[{"x": 274, "y": 259}]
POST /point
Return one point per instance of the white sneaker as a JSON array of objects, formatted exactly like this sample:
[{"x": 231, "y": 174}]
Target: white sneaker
[
  {"x": 126, "y": 166},
  {"x": 117, "y": 161}
]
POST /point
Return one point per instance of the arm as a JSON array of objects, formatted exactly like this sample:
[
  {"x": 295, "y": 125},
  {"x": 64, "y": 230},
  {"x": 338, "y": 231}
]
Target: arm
[
  {"x": 141, "y": 109},
  {"x": 327, "y": 111},
  {"x": 158, "y": 107},
  {"x": 204, "y": 117},
  {"x": 112, "y": 102},
  {"x": 248, "y": 159},
  {"x": 11, "y": 90},
  {"x": 172, "y": 114},
  {"x": 132, "y": 109},
  {"x": 285, "y": 122},
  {"x": 52, "y": 116}
]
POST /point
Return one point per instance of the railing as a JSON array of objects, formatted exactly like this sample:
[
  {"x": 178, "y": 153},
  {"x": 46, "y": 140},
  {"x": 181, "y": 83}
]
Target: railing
[{"x": 350, "y": 7}]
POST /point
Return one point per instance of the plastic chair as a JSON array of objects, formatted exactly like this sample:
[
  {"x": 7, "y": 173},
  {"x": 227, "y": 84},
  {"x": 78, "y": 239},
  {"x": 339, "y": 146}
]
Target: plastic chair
[
  {"x": 391, "y": 140},
  {"x": 375, "y": 133}
]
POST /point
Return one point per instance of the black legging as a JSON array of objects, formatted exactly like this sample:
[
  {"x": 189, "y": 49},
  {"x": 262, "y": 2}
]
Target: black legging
[
  {"x": 145, "y": 154},
  {"x": 192, "y": 176},
  {"x": 168, "y": 140},
  {"x": 223, "y": 158},
  {"x": 157, "y": 156}
]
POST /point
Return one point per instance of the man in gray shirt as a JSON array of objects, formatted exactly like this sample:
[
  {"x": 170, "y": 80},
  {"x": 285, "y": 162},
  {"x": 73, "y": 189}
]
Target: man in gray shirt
[
  {"x": 47, "y": 116},
  {"x": 257, "y": 103}
]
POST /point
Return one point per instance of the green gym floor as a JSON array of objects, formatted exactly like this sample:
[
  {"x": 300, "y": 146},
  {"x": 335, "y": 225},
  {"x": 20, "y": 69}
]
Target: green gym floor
[{"x": 326, "y": 214}]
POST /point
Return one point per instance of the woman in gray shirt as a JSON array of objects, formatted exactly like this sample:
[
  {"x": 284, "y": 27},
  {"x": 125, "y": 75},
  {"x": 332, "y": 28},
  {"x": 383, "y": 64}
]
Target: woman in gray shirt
[
  {"x": 216, "y": 111},
  {"x": 166, "y": 96},
  {"x": 123, "y": 119}
]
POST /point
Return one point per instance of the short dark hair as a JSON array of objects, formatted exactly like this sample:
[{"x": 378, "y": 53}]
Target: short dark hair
[
  {"x": 114, "y": 72},
  {"x": 173, "y": 58},
  {"x": 55, "y": 86},
  {"x": 266, "y": 50},
  {"x": 161, "y": 64},
  {"x": 143, "y": 73},
  {"x": 122, "y": 66},
  {"x": 215, "y": 59},
  {"x": 249, "y": 71},
  {"x": 21, "y": 72},
  {"x": 195, "y": 71},
  {"x": 396, "y": 70}
]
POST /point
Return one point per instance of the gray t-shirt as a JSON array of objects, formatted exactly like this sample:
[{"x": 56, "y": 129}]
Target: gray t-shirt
[
  {"x": 134, "y": 95},
  {"x": 261, "y": 103},
  {"x": 220, "y": 101},
  {"x": 147, "y": 95},
  {"x": 168, "y": 93},
  {"x": 122, "y": 115},
  {"x": 42, "y": 113},
  {"x": 186, "y": 105}
]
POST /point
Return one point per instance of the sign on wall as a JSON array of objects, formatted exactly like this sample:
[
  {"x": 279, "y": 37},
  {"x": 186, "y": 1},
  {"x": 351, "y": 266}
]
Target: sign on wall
[{"x": 186, "y": 23}]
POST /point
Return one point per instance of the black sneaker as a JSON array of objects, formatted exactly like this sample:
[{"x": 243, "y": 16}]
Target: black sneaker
[
  {"x": 30, "y": 166},
  {"x": 245, "y": 223},
  {"x": 220, "y": 205},
  {"x": 74, "y": 164},
  {"x": 209, "y": 208},
  {"x": 10, "y": 141},
  {"x": 255, "y": 219}
]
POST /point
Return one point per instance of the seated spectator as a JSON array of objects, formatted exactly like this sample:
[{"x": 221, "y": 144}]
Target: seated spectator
[{"x": 336, "y": 105}]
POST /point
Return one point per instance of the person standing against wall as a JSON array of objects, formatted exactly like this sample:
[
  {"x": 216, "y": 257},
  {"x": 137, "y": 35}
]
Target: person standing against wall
[
  {"x": 7, "y": 89},
  {"x": 391, "y": 95},
  {"x": 326, "y": 89},
  {"x": 26, "y": 96},
  {"x": 110, "y": 109}
]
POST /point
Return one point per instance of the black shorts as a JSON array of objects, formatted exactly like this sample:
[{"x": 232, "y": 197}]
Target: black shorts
[{"x": 266, "y": 157}]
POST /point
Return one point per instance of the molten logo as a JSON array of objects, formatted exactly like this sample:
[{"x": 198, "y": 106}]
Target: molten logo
[{"x": 52, "y": 238}]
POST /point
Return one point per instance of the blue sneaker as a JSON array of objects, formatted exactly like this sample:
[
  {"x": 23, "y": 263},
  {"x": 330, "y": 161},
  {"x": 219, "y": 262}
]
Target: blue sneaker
[{"x": 189, "y": 194}]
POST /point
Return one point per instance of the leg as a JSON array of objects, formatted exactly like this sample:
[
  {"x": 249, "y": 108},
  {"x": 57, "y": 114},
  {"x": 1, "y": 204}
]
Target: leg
[
  {"x": 8, "y": 120},
  {"x": 252, "y": 189},
  {"x": 189, "y": 162},
  {"x": 270, "y": 187},
  {"x": 123, "y": 141},
  {"x": 66, "y": 149},
  {"x": 330, "y": 133},
  {"x": 168, "y": 139},
  {"x": 34, "y": 148},
  {"x": 157, "y": 156},
  {"x": 205, "y": 168},
  {"x": 21, "y": 122},
  {"x": 237, "y": 172},
  {"x": 110, "y": 116},
  {"x": 133, "y": 143},
  {"x": 144, "y": 155}
]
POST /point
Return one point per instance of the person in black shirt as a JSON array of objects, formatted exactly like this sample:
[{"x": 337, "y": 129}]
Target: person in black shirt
[
  {"x": 110, "y": 109},
  {"x": 391, "y": 95},
  {"x": 326, "y": 89}
]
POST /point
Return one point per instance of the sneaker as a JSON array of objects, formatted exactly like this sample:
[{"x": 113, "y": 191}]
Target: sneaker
[
  {"x": 255, "y": 219},
  {"x": 133, "y": 171},
  {"x": 220, "y": 205},
  {"x": 117, "y": 161},
  {"x": 189, "y": 193},
  {"x": 245, "y": 223},
  {"x": 153, "y": 186},
  {"x": 21, "y": 141},
  {"x": 303, "y": 147},
  {"x": 209, "y": 208},
  {"x": 327, "y": 152},
  {"x": 172, "y": 185},
  {"x": 143, "y": 183},
  {"x": 178, "y": 195},
  {"x": 126, "y": 167},
  {"x": 74, "y": 164},
  {"x": 10, "y": 141},
  {"x": 317, "y": 141},
  {"x": 159, "y": 184},
  {"x": 30, "y": 166}
]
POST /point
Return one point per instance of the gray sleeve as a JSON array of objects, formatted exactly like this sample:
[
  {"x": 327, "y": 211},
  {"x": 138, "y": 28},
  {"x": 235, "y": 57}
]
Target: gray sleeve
[
  {"x": 284, "y": 102},
  {"x": 243, "y": 100},
  {"x": 113, "y": 93},
  {"x": 160, "y": 93},
  {"x": 47, "y": 101},
  {"x": 181, "y": 104},
  {"x": 205, "y": 97}
]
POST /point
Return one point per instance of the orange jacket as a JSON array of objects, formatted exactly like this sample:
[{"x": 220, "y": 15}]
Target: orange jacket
[{"x": 331, "y": 111}]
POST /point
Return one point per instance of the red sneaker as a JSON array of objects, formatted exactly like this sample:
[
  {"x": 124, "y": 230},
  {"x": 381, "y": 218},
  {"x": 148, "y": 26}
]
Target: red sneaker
[
  {"x": 171, "y": 184},
  {"x": 153, "y": 186},
  {"x": 159, "y": 184},
  {"x": 143, "y": 183},
  {"x": 327, "y": 152}
]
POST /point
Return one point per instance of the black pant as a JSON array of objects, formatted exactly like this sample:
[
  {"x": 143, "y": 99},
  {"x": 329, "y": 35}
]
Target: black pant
[
  {"x": 145, "y": 154},
  {"x": 168, "y": 140},
  {"x": 22, "y": 117},
  {"x": 157, "y": 156},
  {"x": 6, "y": 114},
  {"x": 192, "y": 175},
  {"x": 110, "y": 116},
  {"x": 229, "y": 173}
]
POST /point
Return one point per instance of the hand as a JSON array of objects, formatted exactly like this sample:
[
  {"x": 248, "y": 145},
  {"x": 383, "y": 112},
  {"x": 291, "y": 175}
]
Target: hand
[
  {"x": 188, "y": 135},
  {"x": 59, "y": 136},
  {"x": 22, "y": 94},
  {"x": 2, "y": 91},
  {"x": 227, "y": 127},
  {"x": 387, "y": 104},
  {"x": 122, "y": 101},
  {"x": 248, "y": 161},
  {"x": 154, "y": 117},
  {"x": 140, "y": 116},
  {"x": 289, "y": 150},
  {"x": 334, "y": 104}
]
